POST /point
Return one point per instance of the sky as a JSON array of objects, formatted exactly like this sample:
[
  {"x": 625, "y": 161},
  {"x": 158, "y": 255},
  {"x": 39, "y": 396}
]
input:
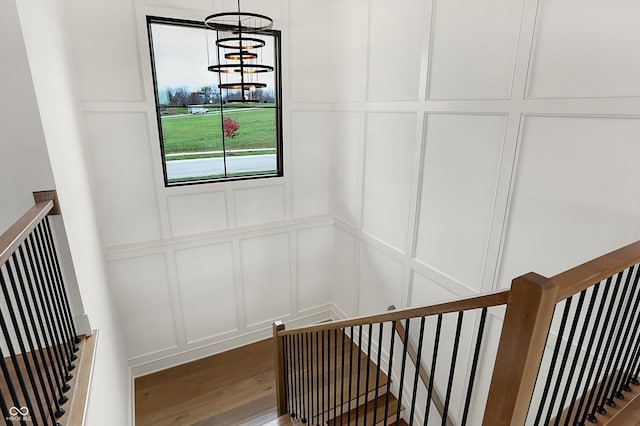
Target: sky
[{"x": 180, "y": 55}]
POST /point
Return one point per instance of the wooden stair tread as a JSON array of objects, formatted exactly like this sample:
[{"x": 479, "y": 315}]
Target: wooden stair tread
[{"x": 377, "y": 406}]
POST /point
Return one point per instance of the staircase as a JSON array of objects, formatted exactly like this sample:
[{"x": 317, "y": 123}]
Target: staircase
[
  {"x": 381, "y": 370},
  {"x": 347, "y": 392}
]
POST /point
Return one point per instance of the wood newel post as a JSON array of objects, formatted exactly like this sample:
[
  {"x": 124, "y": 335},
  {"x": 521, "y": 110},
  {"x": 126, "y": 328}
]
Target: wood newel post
[
  {"x": 529, "y": 313},
  {"x": 281, "y": 382}
]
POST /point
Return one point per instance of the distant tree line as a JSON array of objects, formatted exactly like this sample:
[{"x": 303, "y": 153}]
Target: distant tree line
[{"x": 182, "y": 96}]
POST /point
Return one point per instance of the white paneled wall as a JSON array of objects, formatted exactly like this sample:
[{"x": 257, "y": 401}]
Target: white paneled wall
[
  {"x": 459, "y": 180},
  {"x": 432, "y": 151},
  {"x": 473, "y": 48},
  {"x": 203, "y": 268},
  {"x": 493, "y": 138},
  {"x": 390, "y": 148}
]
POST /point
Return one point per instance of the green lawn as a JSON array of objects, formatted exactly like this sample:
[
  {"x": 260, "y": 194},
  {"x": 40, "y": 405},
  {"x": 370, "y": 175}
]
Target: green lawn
[{"x": 202, "y": 132}]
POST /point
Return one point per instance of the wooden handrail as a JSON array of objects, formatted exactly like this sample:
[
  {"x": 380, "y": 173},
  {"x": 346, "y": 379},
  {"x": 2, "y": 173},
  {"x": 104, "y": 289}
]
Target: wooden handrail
[
  {"x": 474, "y": 302},
  {"x": 584, "y": 276},
  {"x": 19, "y": 231}
]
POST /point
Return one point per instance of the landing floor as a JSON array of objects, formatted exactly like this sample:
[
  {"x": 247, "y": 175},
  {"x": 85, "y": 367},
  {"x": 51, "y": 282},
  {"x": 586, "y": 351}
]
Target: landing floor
[{"x": 232, "y": 388}]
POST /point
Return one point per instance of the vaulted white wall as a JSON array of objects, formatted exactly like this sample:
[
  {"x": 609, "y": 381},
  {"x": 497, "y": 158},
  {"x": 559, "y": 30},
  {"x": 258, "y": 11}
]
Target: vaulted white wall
[
  {"x": 21, "y": 133},
  {"x": 432, "y": 150},
  {"x": 42, "y": 141},
  {"x": 485, "y": 140},
  {"x": 203, "y": 268}
]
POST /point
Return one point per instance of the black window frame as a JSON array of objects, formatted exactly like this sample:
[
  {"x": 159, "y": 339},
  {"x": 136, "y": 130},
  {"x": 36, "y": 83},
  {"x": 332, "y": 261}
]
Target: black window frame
[{"x": 277, "y": 37}]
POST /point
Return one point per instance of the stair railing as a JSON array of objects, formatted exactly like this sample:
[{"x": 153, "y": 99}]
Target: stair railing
[
  {"x": 585, "y": 366},
  {"x": 423, "y": 373},
  {"x": 39, "y": 340},
  {"x": 569, "y": 353},
  {"x": 356, "y": 372}
]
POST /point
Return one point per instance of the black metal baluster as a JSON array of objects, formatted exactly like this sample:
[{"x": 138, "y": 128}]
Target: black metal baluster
[
  {"x": 290, "y": 386},
  {"x": 621, "y": 383},
  {"x": 302, "y": 411},
  {"x": 625, "y": 344},
  {"x": 417, "y": 373},
  {"x": 309, "y": 371},
  {"x": 563, "y": 363},
  {"x": 310, "y": 352},
  {"x": 294, "y": 377},
  {"x": 324, "y": 405},
  {"x": 402, "y": 368},
  {"x": 55, "y": 305},
  {"x": 616, "y": 350},
  {"x": 61, "y": 287},
  {"x": 474, "y": 366},
  {"x": 335, "y": 375},
  {"x": 18, "y": 333},
  {"x": 318, "y": 389},
  {"x": 452, "y": 369},
  {"x": 45, "y": 326},
  {"x": 359, "y": 366},
  {"x": 609, "y": 352},
  {"x": 378, "y": 368},
  {"x": 61, "y": 293},
  {"x": 574, "y": 365},
  {"x": 366, "y": 385},
  {"x": 10, "y": 386},
  {"x": 587, "y": 414},
  {"x": 342, "y": 382},
  {"x": 3, "y": 404},
  {"x": 635, "y": 357},
  {"x": 286, "y": 376},
  {"x": 14, "y": 361},
  {"x": 389, "y": 372},
  {"x": 15, "y": 278},
  {"x": 350, "y": 375},
  {"x": 554, "y": 358},
  {"x": 434, "y": 358},
  {"x": 596, "y": 334},
  {"x": 46, "y": 305}
]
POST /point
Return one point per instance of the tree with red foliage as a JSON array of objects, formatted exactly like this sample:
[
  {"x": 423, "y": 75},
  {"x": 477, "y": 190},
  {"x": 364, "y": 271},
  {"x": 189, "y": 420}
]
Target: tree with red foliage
[{"x": 230, "y": 127}]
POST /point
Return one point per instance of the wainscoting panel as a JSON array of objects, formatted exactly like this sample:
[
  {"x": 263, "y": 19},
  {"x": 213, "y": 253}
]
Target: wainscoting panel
[
  {"x": 344, "y": 291},
  {"x": 395, "y": 43},
  {"x": 309, "y": 166},
  {"x": 207, "y": 295},
  {"x": 572, "y": 200},
  {"x": 141, "y": 289},
  {"x": 259, "y": 205},
  {"x": 310, "y": 58},
  {"x": 390, "y": 146},
  {"x": 107, "y": 62},
  {"x": 460, "y": 173},
  {"x": 347, "y": 166},
  {"x": 123, "y": 177},
  {"x": 266, "y": 277},
  {"x": 380, "y": 281},
  {"x": 473, "y": 48},
  {"x": 314, "y": 266},
  {"x": 348, "y": 34},
  {"x": 197, "y": 213},
  {"x": 585, "y": 49}
]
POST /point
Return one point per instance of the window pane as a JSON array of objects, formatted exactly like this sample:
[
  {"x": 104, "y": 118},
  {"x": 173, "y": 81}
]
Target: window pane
[{"x": 203, "y": 137}]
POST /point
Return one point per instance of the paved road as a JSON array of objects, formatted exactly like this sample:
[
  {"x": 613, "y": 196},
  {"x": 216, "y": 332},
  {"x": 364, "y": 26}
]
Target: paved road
[{"x": 181, "y": 169}]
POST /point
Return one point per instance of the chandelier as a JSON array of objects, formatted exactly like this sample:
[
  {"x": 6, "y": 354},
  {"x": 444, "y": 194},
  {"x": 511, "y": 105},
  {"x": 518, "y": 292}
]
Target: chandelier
[{"x": 237, "y": 60}]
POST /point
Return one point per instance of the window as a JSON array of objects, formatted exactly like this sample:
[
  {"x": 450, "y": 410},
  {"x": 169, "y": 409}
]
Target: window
[{"x": 209, "y": 131}]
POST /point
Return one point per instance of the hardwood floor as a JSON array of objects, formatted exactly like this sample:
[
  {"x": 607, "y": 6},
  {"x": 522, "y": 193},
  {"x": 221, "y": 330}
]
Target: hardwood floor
[{"x": 232, "y": 388}]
